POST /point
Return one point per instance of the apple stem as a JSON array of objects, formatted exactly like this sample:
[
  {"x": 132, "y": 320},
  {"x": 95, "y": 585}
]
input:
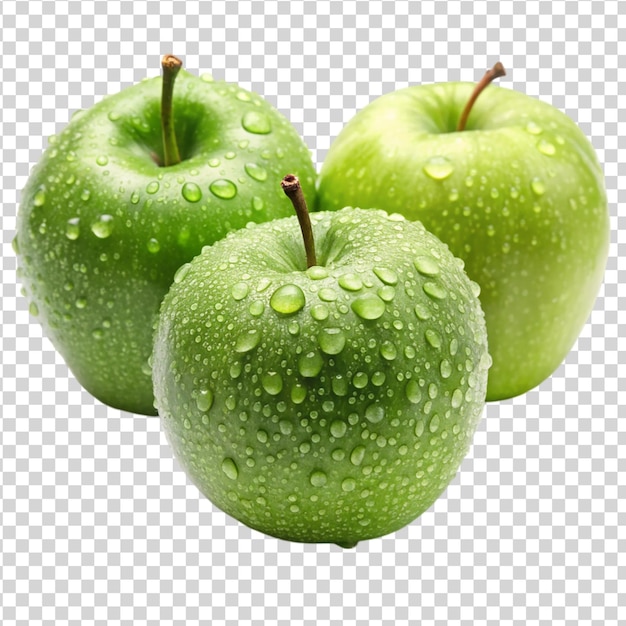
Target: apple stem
[
  {"x": 495, "y": 72},
  {"x": 171, "y": 66},
  {"x": 293, "y": 190}
]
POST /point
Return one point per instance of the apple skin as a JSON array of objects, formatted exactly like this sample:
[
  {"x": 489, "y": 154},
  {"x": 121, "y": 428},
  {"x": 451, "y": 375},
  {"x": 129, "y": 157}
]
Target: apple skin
[
  {"x": 295, "y": 412},
  {"x": 102, "y": 228},
  {"x": 519, "y": 196}
]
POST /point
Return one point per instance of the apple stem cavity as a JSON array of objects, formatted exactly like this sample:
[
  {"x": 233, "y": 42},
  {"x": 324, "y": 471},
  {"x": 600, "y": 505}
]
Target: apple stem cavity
[
  {"x": 495, "y": 72},
  {"x": 171, "y": 66},
  {"x": 293, "y": 190}
]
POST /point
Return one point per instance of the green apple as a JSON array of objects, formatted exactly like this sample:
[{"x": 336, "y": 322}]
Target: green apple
[
  {"x": 323, "y": 401},
  {"x": 129, "y": 191},
  {"x": 514, "y": 188}
]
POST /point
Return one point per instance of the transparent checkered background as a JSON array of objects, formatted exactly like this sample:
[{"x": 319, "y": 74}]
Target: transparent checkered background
[{"x": 98, "y": 523}]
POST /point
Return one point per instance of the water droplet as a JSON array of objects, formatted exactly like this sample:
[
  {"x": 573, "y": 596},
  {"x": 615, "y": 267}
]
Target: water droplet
[
  {"x": 388, "y": 350},
  {"x": 319, "y": 312},
  {"x": 113, "y": 116},
  {"x": 80, "y": 303},
  {"x": 445, "y": 368},
  {"x": 181, "y": 272},
  {"x": 434, "y": 423},
  {"x": 426, "y": 266},
  {"x": 72, "y": 228},
  {"x": 327, "y": 294},
  {"x": 256, "y": 171},
  {"x": 457, "y": 398},
  {"x": 350, "y": 282},
  {"x": 257, "y": 203},
  {"x": 134, "y": 198},
  {"x": 435, "y": 290},
  {"x": 256, "y": 308},
  {"x": 387, "y": 276},
  {"x": 39, "y": 198},
  {"x": 422, "y": 312},
  {"x": 331, "y": 340},
  {"x": 33, "y": 309},
  {"x": 152, "y": 187},
  {"x": 339, "y": 385},
  {"x": 191, "y": 192},
  {"x": 214, "y": 162},
  {"x": 360, "y": 380},
  {"x": 272, "y": 383},
  {"x": 378, "y": 379},
  {"x": 338, "y": 428},
  {"x": 230, "y": 468},
  {"x": 257, "y": 123},
  {"x": 348, "y": 484},
  {"x": 386, "y": 293},
  {"x": 187, "y": 424},
  {"x": 368, "y": 307},
  {"x": 317, "y": 273},
  {"x": 433, "y": 338},
  {"x": 357, "y": 455},
  {"x": 318, "y": 478},
  {"x": 103, "y": 227},
  {"x": 533, "y": 128},
  {"x": 239, "y": 291},
  {"x": 223, "y": 188},
  {"x": 538, "y": 186},
  {"x": 247, "y": 341},
  {"x": 85, "y": 195},
  {"x": 310, "y": 364},
  {"x": 294, "y": 327},
  {"x": 204, "y": 400},
  {"x": 244, "y": 96},
  {"x": 374, "y": 413},
  {"x": 288, "y": 299},
  {"x": 298, "y": 394},
  {"x": 438, "y": 168},
  {"x": 153, "y": 245},
  {"x": 102, "y": 160}
]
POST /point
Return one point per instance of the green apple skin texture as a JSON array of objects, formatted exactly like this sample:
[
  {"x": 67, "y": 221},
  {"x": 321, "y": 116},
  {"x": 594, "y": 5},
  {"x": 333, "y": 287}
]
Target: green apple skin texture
[
  {"x": 294, "y": 412},
  {"x": 519, "y": 195},
  {"x": 102, "y": 228}
]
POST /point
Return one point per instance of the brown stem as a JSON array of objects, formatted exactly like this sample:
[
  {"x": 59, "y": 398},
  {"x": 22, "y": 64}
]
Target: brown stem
[
  {"x": 495, "y": 72},
  {"x": 293, "y": 190},
  {"x": 171, "y": 66}
]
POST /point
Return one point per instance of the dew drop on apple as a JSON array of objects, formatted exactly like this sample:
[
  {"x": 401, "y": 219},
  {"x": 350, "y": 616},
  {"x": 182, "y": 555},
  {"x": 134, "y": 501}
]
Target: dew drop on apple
[
  {"x": 152, "y": 187},
  {"x": 387, "y": 276},
  {"x": 413, "y": 392},
  {"x": 533, "y": 128},
  {"x": 426, "y": 265},
  {"x": 433, "y": 338},
  {"x": 229, "y": 467},
  {"x": 445, "y": 368},
  {"x": 257, "y": 203},
  {"x": 339, "y": 385},
  {"x": 204, "y": 400},
  {"x": 457, "y": 399},
  {"x": 298, "y": 393},
  {"x": 331, "y": 340},
  {"x": 102, "y": 160},
  {"x": 338, "y": 428},
  {"x": 547, "y": 148},
  {"x": 239, "y": 291},
  {"x": 72, "y": 228},
  {"x": 350, "y": 282},
  {"x": 153, "y": 245},
  {"x": 434, "y": 424},
  {"x": 318, "y": 478},
  {"x": 33, "y": 309},
  {"x": 386, "y": 293},
  {"x": 256, "y": 122},
  {"x": 388, "y": 350},
  {"x": 375, "y": 413},
  {"x": 435, "y": 290},
  {"x": 438, "y": 168},
  {"x": 360, "y": 380},
  {"x": 181, "y": 272},
  {"x": 39, "y": 198},
  {"x": 191, "y": 192},
  {"x": 223, "y": 188},
  {"x": 288, "y": 299},
  {"x": 80, "y": 303},
  {"x": 348, "y": 484},
  {"x": 538, "y": 186},
  {"x": 256, "y": 308},
  {"x": 317, "y": 272},
  {"x": 272, "y": 382},
  {"x": 319, "y": 312},
  {"x": 103, "y": 226},
  {"x": 368, "y": 307},
  {"x": 256, "y": 172},
  {"x": 422, "y": 312},
  {"x": 310, "y": 364},
  {"x": 247, "y": 341}
]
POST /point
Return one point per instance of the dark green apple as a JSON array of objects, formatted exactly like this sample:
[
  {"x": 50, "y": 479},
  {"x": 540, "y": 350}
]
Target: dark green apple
[
  {"x": 328, "y": 400},
  {"x": 512, "y": 185},
  {"x": 123, "y": 197}
]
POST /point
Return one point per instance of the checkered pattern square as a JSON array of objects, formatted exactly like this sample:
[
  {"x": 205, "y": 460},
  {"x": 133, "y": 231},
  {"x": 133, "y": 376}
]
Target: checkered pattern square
[{"x": 98, "y": 523}]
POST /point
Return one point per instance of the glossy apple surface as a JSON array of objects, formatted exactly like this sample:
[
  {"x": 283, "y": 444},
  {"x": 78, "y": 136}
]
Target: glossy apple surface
[
  {"x": 519, "y": 195},
  {"x": 103, "y": 226},
  {"x": 329, "y": 404}
]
